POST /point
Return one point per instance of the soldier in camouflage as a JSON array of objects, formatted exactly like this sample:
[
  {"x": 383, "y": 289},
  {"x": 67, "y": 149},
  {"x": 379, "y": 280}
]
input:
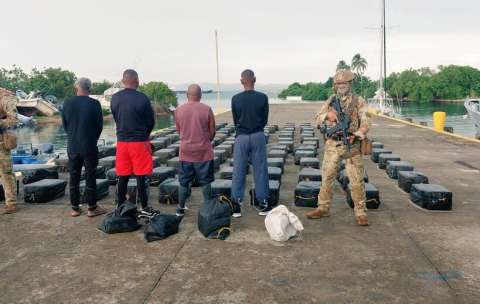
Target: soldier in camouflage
[
  {"x": 8, "y": 118},
  {"x": 335, "y": 151}
]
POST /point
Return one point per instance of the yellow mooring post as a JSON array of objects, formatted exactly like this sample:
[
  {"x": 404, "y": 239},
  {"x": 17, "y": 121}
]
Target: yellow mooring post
[{"x": 439, "y": 120}]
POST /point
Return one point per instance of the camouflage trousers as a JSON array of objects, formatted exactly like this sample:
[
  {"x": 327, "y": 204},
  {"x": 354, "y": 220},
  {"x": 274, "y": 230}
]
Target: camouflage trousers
[
  {"x": 8, "y": 178},
  {"x": 354, "y": 167}
]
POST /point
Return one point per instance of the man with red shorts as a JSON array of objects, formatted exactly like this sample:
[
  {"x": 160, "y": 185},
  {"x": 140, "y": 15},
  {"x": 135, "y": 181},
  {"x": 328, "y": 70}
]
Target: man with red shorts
[{"x": 135, "y": 120}]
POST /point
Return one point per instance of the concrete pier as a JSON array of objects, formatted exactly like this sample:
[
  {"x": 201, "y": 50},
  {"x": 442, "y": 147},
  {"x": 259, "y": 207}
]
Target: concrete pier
[{"x": 407, "y": 255}]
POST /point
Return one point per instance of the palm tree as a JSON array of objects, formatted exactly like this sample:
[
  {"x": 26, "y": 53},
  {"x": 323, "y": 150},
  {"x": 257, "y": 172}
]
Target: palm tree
[{"x": 359, "y": 65}]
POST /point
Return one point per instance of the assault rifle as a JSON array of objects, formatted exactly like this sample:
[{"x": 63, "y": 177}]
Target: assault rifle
[{"x": 341, "y": 128}]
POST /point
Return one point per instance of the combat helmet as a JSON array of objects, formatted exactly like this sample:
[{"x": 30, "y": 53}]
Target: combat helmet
[{"x": 343, "y": 75}]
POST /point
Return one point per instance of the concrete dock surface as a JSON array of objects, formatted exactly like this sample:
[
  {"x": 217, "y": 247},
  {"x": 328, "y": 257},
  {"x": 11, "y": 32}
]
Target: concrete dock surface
[{"x": 407, "y": 255}]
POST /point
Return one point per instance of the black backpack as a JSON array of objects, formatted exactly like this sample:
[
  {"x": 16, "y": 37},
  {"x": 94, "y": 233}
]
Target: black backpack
[
  {"x": 162, "y": 226},
  {"x": 214, "y": 218},
  {"x": 122, "y": 219}
]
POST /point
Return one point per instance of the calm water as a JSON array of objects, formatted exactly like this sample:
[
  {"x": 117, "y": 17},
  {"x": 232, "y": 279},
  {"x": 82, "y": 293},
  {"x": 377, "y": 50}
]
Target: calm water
[
  {"x": 55, "y": 134},
  {"x": 418, "y": 112},
  {"x": 455, "y": 115},
  {"x": 225, "y": 99}
]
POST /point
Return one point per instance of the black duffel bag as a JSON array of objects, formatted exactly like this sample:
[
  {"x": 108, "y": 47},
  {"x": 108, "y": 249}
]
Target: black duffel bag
[
  {"x": 122, "y": 219},
  {"x": 161, "y": 226},
  {"x": 214, "y": 218}
]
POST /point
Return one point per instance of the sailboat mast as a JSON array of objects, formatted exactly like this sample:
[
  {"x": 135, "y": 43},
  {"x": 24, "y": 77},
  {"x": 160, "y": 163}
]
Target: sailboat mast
[
  {"x": 218, "y": 70},
  {"x": 384, "y": 50},
  {"x": 380, "y": 79},
  {"x": 381, "y": 87}
]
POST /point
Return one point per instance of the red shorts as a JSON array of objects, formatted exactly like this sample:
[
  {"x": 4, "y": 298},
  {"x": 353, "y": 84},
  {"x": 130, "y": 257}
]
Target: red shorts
[{"x": 133, "y": 157}]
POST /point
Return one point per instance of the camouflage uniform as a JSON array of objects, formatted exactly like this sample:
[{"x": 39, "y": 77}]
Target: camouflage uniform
[
  {"x": 356, "y": 108},
  {"x": 8, "y": 118}
]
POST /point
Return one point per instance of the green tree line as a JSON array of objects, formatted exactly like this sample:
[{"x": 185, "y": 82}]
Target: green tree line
[
  {"x": 425, "y": 84},
  {"x": 321, "y": 91},
  {"x": 49, "y": 81},
  {"x": 60, "y": 83},
  {"x": 419, "y": 85}
]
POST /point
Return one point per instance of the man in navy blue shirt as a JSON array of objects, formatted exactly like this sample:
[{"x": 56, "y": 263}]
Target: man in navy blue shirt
[
  {"x": 83, "y": 121},
  {"x": 250, "y": 116},
  {"x": 135, "y": 120}
]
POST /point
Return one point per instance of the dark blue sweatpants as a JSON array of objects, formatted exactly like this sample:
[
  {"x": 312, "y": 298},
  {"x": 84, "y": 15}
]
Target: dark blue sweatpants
[{"x": 250, "y": 147}]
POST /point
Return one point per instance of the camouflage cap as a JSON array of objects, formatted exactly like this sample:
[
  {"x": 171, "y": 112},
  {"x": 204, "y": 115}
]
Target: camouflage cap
[{"x": 343, "y": 75}]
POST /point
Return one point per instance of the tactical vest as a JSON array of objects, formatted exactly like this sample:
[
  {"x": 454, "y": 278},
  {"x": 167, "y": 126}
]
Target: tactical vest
[{"x": 350, "y": 108}]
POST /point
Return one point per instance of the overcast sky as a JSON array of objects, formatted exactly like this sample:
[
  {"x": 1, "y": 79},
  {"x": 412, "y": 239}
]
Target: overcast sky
[{"x": 282, "y": 40}]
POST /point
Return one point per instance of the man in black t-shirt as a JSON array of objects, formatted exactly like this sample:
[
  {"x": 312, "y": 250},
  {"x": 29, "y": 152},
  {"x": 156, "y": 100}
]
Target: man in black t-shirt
[
  {"x": 250, "y": 116},
  {"x": 83, "y": 121}
]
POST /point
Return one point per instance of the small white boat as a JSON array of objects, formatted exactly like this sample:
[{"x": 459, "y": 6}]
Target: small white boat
[
  {"x": 473, "y": 108},
  {"x": 106, "y": 98},
  {"x": 30, "y": 107},
  {"x": 30, "y": 104},
  {"x": 382, "y": 103}
]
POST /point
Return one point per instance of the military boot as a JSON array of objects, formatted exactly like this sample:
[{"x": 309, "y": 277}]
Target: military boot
[
  {"x": 8, "y": 209},
  {"x": 362, "y": 220},
  {"x": 317, "y": 213}
]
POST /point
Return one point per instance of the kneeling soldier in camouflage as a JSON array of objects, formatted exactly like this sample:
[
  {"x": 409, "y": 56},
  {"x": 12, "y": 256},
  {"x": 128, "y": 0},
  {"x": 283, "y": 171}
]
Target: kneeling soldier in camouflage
[{"x": 343, "y": 145}]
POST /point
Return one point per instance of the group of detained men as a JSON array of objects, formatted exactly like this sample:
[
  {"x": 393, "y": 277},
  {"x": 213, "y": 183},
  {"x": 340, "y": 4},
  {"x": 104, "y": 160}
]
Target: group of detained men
[{"x": 195, "y": 122}]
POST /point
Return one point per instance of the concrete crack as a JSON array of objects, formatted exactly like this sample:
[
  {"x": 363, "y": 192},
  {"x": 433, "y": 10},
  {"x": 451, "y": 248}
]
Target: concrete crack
[
  {"x": 157, "y": 281},
  {"x": 420, "y": 250}
]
